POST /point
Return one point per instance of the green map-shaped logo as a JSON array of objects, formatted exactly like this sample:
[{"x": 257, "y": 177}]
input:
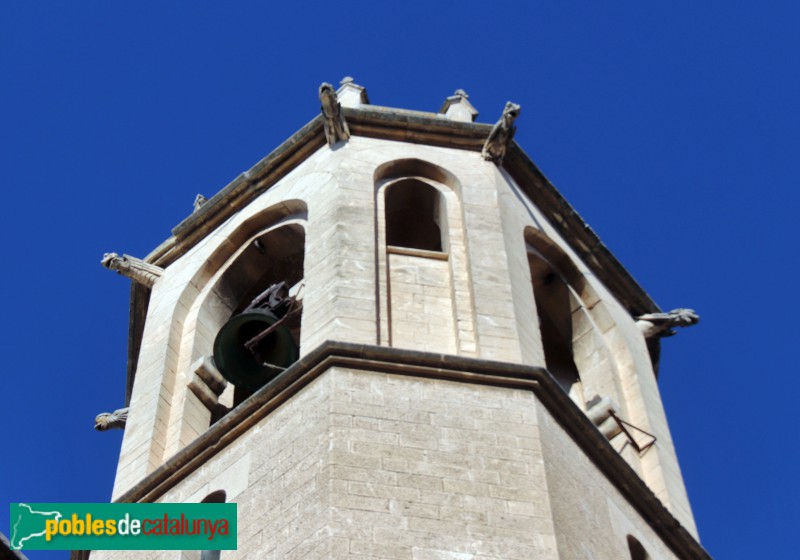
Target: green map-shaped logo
[{"x": 28, "y": 523}]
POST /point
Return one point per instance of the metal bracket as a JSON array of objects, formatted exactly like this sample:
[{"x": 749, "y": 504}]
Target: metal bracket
[{"x": 626, "y": 428}]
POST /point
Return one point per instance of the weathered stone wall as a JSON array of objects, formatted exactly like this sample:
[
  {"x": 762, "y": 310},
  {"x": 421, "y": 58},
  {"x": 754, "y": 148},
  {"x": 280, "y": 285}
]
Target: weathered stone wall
[
  {"x": 361, "y": 465},
  {"x": 421, "y": 308},
  {"x": 434, "y": 469},
  {"x": 277, "y": 475},
  {"x": 591, "y": 518},
  {"x": 367, "y": 465}
]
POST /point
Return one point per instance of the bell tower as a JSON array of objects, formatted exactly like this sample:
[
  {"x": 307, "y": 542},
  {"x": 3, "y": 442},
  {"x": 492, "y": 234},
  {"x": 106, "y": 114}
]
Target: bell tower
[{"x": 393, "y": 338}]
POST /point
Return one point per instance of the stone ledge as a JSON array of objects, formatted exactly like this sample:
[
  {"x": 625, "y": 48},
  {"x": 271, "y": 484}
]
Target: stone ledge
[{"x": 433, "y": 366}]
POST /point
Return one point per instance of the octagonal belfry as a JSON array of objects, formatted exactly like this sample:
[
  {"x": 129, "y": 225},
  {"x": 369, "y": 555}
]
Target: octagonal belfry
[{"x": 393, "y": 338}]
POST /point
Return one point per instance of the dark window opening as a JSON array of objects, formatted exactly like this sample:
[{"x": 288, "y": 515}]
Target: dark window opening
[
  {"x": 636, "y": 549},
  {"x": 553, "y": 306},
  {"x": 412, "y": 216},
  {"x": 217, "y": 497}
]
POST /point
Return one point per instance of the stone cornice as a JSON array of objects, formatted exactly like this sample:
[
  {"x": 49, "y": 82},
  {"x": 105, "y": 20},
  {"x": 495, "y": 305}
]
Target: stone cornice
[{"x": 435, "y": 366}]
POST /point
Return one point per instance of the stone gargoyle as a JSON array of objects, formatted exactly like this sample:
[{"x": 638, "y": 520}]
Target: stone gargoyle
[
  {"x": 659, "y": 325},
  {"x": 133, "y": 268},
  {"x": 333, "y": 120},
  {"x": 111, "y": 420},
  {"x": 494, "y": 149}
]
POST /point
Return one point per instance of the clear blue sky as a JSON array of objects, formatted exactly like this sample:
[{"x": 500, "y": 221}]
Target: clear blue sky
[{"x": 671, "y": 127}]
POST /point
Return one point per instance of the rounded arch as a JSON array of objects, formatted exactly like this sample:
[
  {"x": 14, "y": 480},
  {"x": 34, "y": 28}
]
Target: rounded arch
[
  {"x": 413, "y": 167},
  {"x": 415, "y": 213},
  {"x": 207, "y": 301},
  {"x": 636, "y": 550},
  {"x": 419, "y": 219},
  {"x": 220, "y": 286},
  {"x": 560, "y": 261},
  {"x": 270, "y": 256},
  {"x": 273, "y": 254},
  {"x": 274, "y": 215},
  {"x": 408, "y": 189},
  {"x": 575, "y": 350},
  {"x": 215, "y": 497}
]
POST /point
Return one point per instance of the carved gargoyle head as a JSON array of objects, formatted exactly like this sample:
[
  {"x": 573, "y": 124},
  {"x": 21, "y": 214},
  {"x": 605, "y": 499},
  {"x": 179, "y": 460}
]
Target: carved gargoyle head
[
  {"x": 108, "y": 258},
  {"x": 685, "y": 317},
  {"x": 111, "y": 420},
  {"x": 510, "y": 112},
  {"x": 661, "y": 324},
  {"x": 113, "y": 261},
  {"x": 326, "y": 89},
  {"x": 102, "y": 421}
]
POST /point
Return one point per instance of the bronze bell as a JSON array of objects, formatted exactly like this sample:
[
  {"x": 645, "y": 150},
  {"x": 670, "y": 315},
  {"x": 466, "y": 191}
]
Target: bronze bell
[{"x": 253, "y": 347}]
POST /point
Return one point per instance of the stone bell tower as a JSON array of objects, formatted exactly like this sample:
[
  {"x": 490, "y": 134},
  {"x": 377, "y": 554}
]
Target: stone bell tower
[{"x": 393, "y": 338}]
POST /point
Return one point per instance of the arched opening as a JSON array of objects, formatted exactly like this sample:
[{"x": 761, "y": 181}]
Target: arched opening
[
  {"x": 413, "y": 216},
  {"x": 554, "y": 309},
  {"x": 276, "y": 255},
  {"x": 266, "y": 277},
  {"x": 421, "y": 259},
  {"x": 242, "y": 258},
  {"x": 636, "y": 549},
  {"x": 573, "y": 346},
  {"x": 413, "y": 167},
  {"x": 216, "y": 497}
]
